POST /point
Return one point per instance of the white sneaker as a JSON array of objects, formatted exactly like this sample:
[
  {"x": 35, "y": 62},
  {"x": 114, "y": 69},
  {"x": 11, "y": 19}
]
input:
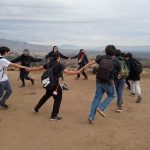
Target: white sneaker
[{"x": 101, "y": 112}]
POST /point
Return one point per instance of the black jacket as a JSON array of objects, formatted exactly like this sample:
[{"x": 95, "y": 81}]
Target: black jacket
[
  {"x": 132, "y": 75},
  {"x": 26, "y": 60},
  {"x": 83, "y": 60},
  {"x": 50, "y": 55}
]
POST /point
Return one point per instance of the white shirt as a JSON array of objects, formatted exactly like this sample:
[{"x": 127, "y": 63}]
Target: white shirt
[{"x": 4, "y": 63}]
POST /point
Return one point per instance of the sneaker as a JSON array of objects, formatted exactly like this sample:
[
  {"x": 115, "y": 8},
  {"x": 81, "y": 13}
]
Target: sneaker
[
  {"x": 55, "y": 118},
  {"x": 123, "y": 105},
  {"x": 101, "y": 112},
  {"x": 86, "y": 78},
  {"x": 32, "y": 81},
  {"x": 90, "y": 121},
  {"x": 119, "y": 110},
  {"x": 34, "y": 110},
  {"x": 4, "y": 105},
  {"x": 139, "y": 99},
  {"x": 65, "y": 87},
  {"x": 23, "y": 85}
]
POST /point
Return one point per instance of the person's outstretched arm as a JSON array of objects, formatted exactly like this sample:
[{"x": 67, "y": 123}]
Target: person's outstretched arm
[
  {"x": 63, "y": 56},
  {"x": 35, "y": 59},
  {"x": 18, "y": 66},
  {"x": 87, "y": 65},
  {"x": 36, "y": 68},
  {"x": 71, "y": 72},
  {"x": 18, "y": 59},
  {"x": 48, "y": 55},
  {"x": 76, "y": 56}
]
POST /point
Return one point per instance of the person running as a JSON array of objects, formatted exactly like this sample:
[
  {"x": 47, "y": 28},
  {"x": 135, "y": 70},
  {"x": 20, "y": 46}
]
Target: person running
[
  {"x": 134, "y": 77},
  {"x": 25, "y": 60},
  {"x": 104, "y": 81},
  {"x": 82, "y": 61},
  {"x": 120, "y": 82},
  {"x": 56, "y": 90},
  {"x": 4, "y": 82}
]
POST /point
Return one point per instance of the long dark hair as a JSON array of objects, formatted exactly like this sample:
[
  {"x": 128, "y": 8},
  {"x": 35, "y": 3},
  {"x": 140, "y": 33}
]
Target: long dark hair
[
  {"x": 81, "y": 51},
  {"x": 54, "y": 48}
]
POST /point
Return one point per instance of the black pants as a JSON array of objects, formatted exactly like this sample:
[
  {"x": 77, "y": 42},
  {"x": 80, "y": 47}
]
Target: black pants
[
  {"x": 128, "y": 83},
  {"x": 57, "y": 101},
  {"x": 24, "y": 75},
  {"x": 83, "y": 72}
]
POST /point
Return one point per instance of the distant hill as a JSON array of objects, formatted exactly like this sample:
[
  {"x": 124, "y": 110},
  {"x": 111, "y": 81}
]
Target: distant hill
[{"x": 17, "y": 46}]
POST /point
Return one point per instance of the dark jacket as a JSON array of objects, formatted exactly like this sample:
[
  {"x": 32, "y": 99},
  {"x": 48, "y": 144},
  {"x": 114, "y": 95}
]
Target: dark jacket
[
  {"x": 50, "y": 55},
  {"x": 82, "y": 59},
  {"x": 26, "y": 60},
  {"x": 132, "y": 75}
]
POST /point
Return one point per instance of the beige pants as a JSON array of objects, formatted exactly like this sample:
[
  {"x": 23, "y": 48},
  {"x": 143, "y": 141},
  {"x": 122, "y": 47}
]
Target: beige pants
[{"x": 135, "y": 87}]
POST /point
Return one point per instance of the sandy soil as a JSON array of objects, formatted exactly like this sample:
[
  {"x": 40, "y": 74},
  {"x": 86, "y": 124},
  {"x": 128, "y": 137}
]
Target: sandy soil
[{"x": 21, "y": 129}]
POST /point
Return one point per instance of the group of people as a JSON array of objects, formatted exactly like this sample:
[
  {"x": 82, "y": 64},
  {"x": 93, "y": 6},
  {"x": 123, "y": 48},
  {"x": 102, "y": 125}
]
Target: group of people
[{"x": 114, "y": 70}]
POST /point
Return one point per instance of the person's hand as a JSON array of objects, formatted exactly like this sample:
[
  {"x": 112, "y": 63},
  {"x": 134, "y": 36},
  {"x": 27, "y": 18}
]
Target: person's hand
[
  {"x": 28, "y": 69},
  {"x": 78, "y": 72},
  {"x": 119, "y": 76}
]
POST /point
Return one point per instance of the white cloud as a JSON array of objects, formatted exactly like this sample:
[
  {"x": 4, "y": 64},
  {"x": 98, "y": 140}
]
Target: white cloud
[{"x": 81, "y": 22}]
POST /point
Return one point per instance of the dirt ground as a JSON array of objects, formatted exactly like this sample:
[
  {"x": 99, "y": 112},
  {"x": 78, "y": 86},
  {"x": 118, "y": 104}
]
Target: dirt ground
[{"x": 21, "y": 129}]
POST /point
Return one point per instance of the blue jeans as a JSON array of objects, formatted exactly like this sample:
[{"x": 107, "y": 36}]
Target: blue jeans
[
  {"x": 119, "y": 84},
  {"x": 101, "y": 88},
  {"x": 5, "y": 87}
]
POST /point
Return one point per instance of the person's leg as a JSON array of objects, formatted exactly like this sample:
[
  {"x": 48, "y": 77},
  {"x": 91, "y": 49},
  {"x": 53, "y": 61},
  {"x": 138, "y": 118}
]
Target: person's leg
[
  {"x": 98, "y": 96},
  {"x": 137, "y": 88},
  {"x": 57, "y": 102},
  {"x": 116, "y": 82},
  {"x": 26, "y": 76},
  {"x": 121, "y": 84},
  {"x": 85, "y": 75},
  {"x": 8, "y": 90},
  {"x": 1, "y": 90},
  {"x": 47, "y": 95},
  {"x": 132, "y": 87},
  {"x": 78, "y": 75},
  {"x": 22, "y": 78},
  {"x": 128, "y": 83},
  {"x": 138, "y": 91},
  {"x": 110, "y": 90}
]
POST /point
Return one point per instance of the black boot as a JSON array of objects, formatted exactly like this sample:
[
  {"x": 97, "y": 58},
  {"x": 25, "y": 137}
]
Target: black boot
[
  {"x": 23, "y": 84},
  {"x": 32, "y": 81}
]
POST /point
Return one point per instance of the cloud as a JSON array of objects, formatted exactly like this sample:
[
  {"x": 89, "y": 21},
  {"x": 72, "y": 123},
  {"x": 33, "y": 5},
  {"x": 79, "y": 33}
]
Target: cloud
[{"x": 81, "y": 22}]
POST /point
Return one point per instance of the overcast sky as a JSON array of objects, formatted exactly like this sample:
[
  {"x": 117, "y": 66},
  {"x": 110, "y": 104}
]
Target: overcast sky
[{"x": 87, "y": 23}]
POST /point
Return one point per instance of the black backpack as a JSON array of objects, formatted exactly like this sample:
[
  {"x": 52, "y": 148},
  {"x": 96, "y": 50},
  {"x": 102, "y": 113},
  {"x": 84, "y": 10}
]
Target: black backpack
[
  {"x": 48, "y": 78},
  {"x": 105, "y": 70},
  {"x": 136, "y": 67}
]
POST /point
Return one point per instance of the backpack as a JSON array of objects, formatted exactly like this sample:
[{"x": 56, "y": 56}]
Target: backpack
[
  {"x": 48, "y": 79},
  {"x": 136, "y": 67},
  {"x": 124, "y": 67},
  {"x": 105, "y": 70}
]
